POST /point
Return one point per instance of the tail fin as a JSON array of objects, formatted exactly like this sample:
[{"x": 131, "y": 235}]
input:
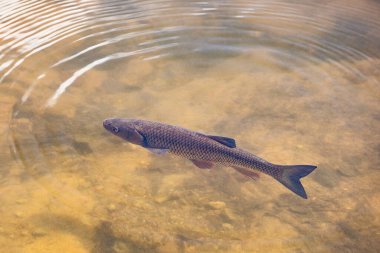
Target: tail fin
[{"x": 291, "y": 177}]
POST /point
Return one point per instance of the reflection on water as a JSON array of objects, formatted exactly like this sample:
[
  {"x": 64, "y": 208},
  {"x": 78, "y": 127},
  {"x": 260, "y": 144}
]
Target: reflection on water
[{"x": 292, "y": 82}]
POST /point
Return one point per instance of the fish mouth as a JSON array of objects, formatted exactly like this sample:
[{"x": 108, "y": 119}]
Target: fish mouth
[{"x": 107, "y": 124}]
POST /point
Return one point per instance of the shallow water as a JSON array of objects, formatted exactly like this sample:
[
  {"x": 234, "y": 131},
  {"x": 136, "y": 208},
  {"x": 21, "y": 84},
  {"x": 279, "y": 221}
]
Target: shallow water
[{"x": 295, "y": 82}]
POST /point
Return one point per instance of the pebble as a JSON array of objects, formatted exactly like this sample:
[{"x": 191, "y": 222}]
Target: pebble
[
  {"x": 161, "y": 199},
  {"x": 99, "y": 188},
  {"x": 217, "y": 205},
  {"x": 348, "y": 171},
  {"x": 111, "y": 207},
  {"x": 227, "y": 226},
  {"x": 21, "y": 201},
  {"x": 39, "y": 233},
  {"x": 18, "y": 214},
  {"x": 120, "y": 247},
  {"x": 230, "y": 214}
]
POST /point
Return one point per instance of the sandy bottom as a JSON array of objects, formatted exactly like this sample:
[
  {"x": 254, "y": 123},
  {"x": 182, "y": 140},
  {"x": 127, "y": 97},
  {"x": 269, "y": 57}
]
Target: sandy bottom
[
  {"x": 75, "y": 188},
  {"x": 67, "y": 185}
]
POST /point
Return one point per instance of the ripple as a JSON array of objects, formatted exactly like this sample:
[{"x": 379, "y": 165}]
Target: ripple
[
  {"x": 34, "y": 26},
  {"x": 289, "y": 69},
  {"x": 88, "y": 67},
  {"x": 114, "y": 40}
]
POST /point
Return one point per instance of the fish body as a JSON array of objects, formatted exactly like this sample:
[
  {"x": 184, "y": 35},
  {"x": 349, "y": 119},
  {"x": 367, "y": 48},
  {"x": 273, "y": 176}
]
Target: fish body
[{"x": 205, "y": 150}]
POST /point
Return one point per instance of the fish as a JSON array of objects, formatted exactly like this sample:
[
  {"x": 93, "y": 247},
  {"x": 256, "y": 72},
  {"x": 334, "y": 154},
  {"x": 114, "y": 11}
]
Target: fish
[{"x": 205, "y": 151}]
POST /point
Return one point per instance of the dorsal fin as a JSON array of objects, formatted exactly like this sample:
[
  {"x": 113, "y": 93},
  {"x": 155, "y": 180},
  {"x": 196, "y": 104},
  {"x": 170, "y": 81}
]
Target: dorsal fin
[{"x": 229, "y": 142}]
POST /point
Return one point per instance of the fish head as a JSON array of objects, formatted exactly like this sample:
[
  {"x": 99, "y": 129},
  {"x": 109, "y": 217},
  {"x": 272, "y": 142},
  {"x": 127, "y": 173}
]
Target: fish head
[{"x": 125, "y": 129}]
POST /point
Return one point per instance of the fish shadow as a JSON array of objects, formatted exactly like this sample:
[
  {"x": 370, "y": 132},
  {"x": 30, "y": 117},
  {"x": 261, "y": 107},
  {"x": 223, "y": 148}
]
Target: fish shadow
[{"x": 98, "y": 239}]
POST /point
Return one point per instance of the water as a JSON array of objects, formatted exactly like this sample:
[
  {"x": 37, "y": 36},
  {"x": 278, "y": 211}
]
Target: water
[{"x": 295, "y": 82}]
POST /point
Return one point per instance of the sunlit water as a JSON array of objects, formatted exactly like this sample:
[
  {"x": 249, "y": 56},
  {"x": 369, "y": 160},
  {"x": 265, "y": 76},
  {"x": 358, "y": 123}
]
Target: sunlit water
[{"x": 295, "y": 82}]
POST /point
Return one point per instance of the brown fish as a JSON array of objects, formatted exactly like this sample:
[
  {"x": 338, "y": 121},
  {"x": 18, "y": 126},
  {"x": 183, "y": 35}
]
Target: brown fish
[{"x": 205, "y": 150}]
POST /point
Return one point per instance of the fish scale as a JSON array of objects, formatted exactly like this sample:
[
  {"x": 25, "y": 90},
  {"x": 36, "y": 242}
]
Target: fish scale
[
  {"x": 205, "y": 150},
  {"x": 196, "y": 146}
]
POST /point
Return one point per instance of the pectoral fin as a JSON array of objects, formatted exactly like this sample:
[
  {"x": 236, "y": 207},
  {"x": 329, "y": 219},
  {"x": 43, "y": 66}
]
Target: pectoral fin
[
  {"x": 203, "y": 164},
  {"x": 229, "y": 142},
  {"x": 137, "y": 138},
  {"x": 248, "y": 173}
]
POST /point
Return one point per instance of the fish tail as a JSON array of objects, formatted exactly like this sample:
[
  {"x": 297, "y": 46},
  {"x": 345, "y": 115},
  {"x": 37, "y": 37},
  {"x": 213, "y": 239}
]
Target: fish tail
[{"x": 291, "y": 175}]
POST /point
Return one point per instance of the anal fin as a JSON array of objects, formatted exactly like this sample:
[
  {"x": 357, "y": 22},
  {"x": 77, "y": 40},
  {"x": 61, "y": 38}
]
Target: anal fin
[
  {"x": 248, "y": 173},
  {"x": 203, "y": 164}
]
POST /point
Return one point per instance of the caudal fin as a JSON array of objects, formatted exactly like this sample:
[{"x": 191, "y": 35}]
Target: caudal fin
[{"x": 291, "y": 177}]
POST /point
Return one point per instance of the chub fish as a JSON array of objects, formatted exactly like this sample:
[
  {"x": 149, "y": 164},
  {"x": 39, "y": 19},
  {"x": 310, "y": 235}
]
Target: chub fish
[{"x": 205, "y": 150}]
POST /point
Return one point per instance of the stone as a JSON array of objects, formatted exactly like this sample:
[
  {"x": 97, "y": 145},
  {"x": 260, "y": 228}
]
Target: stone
[
  {"x": 39, "y": 233},
  {"x": 217, "y": 205},
  {"x": 111, "y": 207}
]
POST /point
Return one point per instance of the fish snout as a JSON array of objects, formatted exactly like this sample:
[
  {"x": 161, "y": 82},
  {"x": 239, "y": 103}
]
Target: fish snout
[
  {"x": 107, "y": 124},
  {"x": 112, "y": 125}
]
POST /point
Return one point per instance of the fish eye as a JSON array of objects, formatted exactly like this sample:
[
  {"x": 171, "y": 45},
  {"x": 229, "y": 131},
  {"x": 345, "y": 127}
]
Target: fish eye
[{"x": 115, "y": 129}]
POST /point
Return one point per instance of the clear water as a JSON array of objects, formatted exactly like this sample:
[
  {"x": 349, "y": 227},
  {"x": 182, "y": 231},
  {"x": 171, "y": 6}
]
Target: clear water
[{"x": 295, "y": 82}]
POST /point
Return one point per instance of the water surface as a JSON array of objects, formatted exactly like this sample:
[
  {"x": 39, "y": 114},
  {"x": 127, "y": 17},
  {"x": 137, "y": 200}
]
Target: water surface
[{"x": 295, "y": 82}]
